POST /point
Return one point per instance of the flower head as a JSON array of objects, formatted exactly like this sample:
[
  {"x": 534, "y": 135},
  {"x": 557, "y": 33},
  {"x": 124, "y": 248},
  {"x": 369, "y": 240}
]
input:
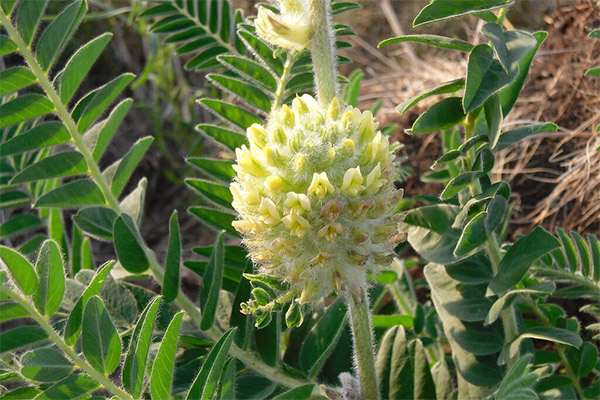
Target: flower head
[{"x": 315, "y": 192}]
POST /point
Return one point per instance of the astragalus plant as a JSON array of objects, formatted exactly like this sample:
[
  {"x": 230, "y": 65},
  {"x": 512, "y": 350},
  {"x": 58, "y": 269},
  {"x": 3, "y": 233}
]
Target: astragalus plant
[{"x": 305, "y": 293}]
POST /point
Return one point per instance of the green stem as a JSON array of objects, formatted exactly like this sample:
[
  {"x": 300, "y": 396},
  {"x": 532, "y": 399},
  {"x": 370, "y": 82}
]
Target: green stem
[
  {"x": 247, "y": 358},
  {"x": 559, "y": 348},
  {"x": 567, "y": 276},
  {"x": 501, "y": 15},
  {"x": 287, "y": 67},
  {"x": 97, "y": 376},
  {"x": 362, "y": 335},
  {"x": 323, "y": 52}
]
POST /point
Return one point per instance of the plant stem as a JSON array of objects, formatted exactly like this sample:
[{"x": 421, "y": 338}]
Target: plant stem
[
  {"x": 97, "y": 376},
  {"x": 287, "y": 67},
  {"x": 323, "y": 52},
  {"x": 194, "y": 314},
  {"x": 362, "y": 337}
]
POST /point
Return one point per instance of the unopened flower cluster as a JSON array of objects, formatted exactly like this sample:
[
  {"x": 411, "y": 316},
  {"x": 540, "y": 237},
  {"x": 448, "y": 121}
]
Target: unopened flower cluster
[{"x": 316, "y": 199}]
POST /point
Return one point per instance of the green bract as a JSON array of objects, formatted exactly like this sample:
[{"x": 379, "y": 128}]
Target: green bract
[{"x": 316, "y": 198}]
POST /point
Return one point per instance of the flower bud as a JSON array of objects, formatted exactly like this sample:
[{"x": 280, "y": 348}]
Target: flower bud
[{"x": 292, "y": 29}]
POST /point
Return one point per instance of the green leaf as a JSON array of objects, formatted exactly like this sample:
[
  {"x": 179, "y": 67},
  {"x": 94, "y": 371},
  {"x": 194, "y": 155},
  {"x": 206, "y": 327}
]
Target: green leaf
[
  {"x": 67, "y": 163},
  {"x": 129, "y": 245},
  {"x": 51, "y": 274},
  {"x": 303, "y": 392},
  {"x": 79, "y": 193},
  {"x": 228, "y": 138},
  {"x": 7, "y": 45},
  {"x": 211, "y": 284},
  {"x": 520, "y": 257},
  {"x": 28, "y": 18},
  {"x": 592, "y": 72},
  {"x": 78, "y": 66},
  {"x": 14, "y": 339},
  {"x": 73, "y": 326},
  {"x": 45, "y": 365},
  {"x": 485, "y": 77},
  {"x": 442, "y": 115},
  {"x": 40, "y": 136},
  {"x": 10, "y": 311},
  {"x": 553, "y": 334},
  {"x": 90, "y": 107},
  {"x": 432, "y": 40},
  {"x": 14, "y": 79},
  {"x": 473, "y": 235},
  {"x": 99, "y": 135},
  {"x": 439, "y": 10},
  {"x": 20, "y": 224},
  {"x": 23, "y": 108},
  {"x": 512, "y": 136},
  {"x": 217, "y": 193},
  {"x": 20, "y": 269},
  {"x": 352, "y": 89},
  {"x": 495, "y": 34},
  {"x": 493, "y": 116},
  {"x": 584, "y": 359},
  {"x": 161, "y": 377},
  {"x": 442, "y": 380},
  {"x": 262, "y": 51},
  {"x": 128, "y": 163},
  {"x": 58, "y": 33},
  {"x": 72, "y": 387},
  {"x": 322, "y": 338},
  {"x": 219, "y": 169},
  {"x": 247, "y": 92},
  {"x": 96, "y": 221},
  {"x": 496, "y": 211},
  {"x": 387, "y": 321},
  {"x": 238, "y": 319},
  {"x": 510, "y": 94},
  {"x": 14, "y": 198},
  {"x": 132, "y": 204},
  {"x": 250, "y": 70},
  {"x": 134, "y": 366},
  {"x": 568, "y": 248},
  {"x": 459, "y": 182},
  {"x": 215, "y": 219},
  {"x": 170, "y": 288},
  {"x": 268, "y": 334},
  {"x": 448, "y": 87},
  {"x": 99, "y": 337},
  {"x": 205, "y": 384},
  {"x": 584, "y": 253},
  {"x": 233, "y": 114},
  {"x": 595, "y": 250}
]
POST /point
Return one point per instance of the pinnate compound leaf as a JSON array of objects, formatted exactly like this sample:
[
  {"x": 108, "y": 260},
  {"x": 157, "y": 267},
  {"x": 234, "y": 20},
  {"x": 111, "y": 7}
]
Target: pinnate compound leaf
[
  {"x": 73, "y": 327},
  {"x": 211, "y": 284},
  {"x": 51, "y": 275},
  {"x": 14, "y": 339},
  {"x": 516, "y": 262},
  {"x": 40, "y": 136},
  {"x": 205, "y": 384},
  {"x": 439, "y": 10},
  {"x": 512, "y": 136},
  {"x": 170, "y": 288},
  {"x": 23, "y": 108},
  {"x": 78, "y": 66},
  {"x": 217, "y": 193},
  {"x": 230, "y": 113},
  {"x": 250, "y": 70},
  {"x": 303, "y": 392},
  {"x": 134, "y": 367},
  {"x": 322, "y": 338},
  {"x": 250, "y": 93},
  {"x": 67, "y": 163},
  {"x": 20, "y": 269},
  {"x": 129, "y": 245},
  {"x": 45, "y": 365},
  {"x": 96, "y": 221},
  {"x": 99, "y": 337},
  {"x": 432, "y": 40},
  {"x": 583, "y": 360},
  {"x": 58, "y": 33},
  {"x": 161, "y": 377},
  {"x": 72, "y": 387},
  {"x": 79, "y": 193},
  {"x": 215, "y": 219},
  {"x": 448, "y": 87},
  {"x": 14, "y": 79},
  {"x": 442, "y": 115}
]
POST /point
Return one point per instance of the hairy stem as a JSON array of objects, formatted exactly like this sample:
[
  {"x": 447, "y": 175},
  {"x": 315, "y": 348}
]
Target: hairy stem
[
  {"x": 362, "y": 337},
  {"x": 323, "y": 52},
  {"x": 250, "y": 360},
  {"x": 287, "y": 67},
  {"x": 97, "y": 376}
]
